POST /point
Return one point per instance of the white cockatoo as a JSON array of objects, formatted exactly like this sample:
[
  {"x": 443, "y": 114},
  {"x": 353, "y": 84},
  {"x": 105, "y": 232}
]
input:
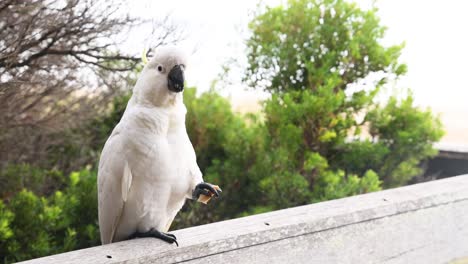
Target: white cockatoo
[{"x": 148, "y": 165}]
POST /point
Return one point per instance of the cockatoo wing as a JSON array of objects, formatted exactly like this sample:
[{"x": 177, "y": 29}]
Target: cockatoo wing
[{"x": 114, "y": 181}]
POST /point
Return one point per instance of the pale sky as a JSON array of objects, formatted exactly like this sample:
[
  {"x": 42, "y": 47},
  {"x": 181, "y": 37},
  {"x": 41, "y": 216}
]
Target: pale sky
[{"x": 435, "y": 33}]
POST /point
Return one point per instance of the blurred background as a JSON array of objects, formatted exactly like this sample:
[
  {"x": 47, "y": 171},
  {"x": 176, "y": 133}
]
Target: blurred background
[
  {"x": 290, "y": 103},
  {"x": 432, "y": 33}
]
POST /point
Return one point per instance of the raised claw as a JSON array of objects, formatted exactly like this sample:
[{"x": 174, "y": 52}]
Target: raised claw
[{"x": 205, "y": 189}]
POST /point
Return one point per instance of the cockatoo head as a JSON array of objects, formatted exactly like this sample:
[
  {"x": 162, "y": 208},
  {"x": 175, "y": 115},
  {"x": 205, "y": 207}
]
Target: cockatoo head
[{"x": 162, "y": 80}]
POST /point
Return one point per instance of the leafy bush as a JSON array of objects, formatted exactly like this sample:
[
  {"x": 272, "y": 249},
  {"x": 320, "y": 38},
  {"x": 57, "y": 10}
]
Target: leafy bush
[
  {"x": 401, "y": 137},
  {"x": 314, "y": 56},
  {"x": 15, "y": 177},
  {"x": 303, "y": 44},
  {"x": 33, "y": 226}
]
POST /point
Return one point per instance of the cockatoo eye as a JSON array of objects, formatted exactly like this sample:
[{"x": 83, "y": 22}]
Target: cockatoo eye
[{"x": 160, "y": 68}]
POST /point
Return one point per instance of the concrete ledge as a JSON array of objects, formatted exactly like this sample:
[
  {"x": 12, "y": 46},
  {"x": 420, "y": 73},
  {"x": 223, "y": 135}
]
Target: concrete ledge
[{"x": 421, "y": 223}]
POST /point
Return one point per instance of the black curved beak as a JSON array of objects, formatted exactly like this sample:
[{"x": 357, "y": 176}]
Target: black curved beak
[{"x": 175, "y": 79}]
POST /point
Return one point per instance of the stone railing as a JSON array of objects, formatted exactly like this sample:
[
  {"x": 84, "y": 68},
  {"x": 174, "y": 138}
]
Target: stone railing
[{"x": 422, "y": 223}]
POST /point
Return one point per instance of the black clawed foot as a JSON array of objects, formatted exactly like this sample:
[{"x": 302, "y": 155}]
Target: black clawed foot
[
  {"x": 205, "y": 189},
  {"x": 169, "y": 238},
  {"x": 171, "y": 235}
]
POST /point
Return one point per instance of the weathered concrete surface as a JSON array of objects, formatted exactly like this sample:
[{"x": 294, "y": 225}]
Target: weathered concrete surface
[{"x": 422, "y": 223}]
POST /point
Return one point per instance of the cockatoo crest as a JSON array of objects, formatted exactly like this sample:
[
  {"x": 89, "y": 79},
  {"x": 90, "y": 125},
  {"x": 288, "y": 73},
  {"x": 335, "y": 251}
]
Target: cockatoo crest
[{"x": 144, "y": 57}]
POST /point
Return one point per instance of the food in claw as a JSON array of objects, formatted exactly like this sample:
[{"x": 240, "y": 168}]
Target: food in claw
[{"x": 206, "y": 198}]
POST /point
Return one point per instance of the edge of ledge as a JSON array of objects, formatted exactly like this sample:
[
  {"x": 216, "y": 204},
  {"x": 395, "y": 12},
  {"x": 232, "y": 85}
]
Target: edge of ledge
[{"x": 216, "y": 238}]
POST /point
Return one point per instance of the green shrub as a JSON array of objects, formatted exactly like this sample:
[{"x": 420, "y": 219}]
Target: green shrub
[
  {"x": 15, "y": 177},
  {"x": 33, "y": 226},
  {"x": 314, "y": 56}
]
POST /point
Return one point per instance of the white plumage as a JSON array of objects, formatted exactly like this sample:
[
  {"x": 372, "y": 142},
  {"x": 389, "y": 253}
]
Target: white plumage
[{"x": 148, "y": 165}]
